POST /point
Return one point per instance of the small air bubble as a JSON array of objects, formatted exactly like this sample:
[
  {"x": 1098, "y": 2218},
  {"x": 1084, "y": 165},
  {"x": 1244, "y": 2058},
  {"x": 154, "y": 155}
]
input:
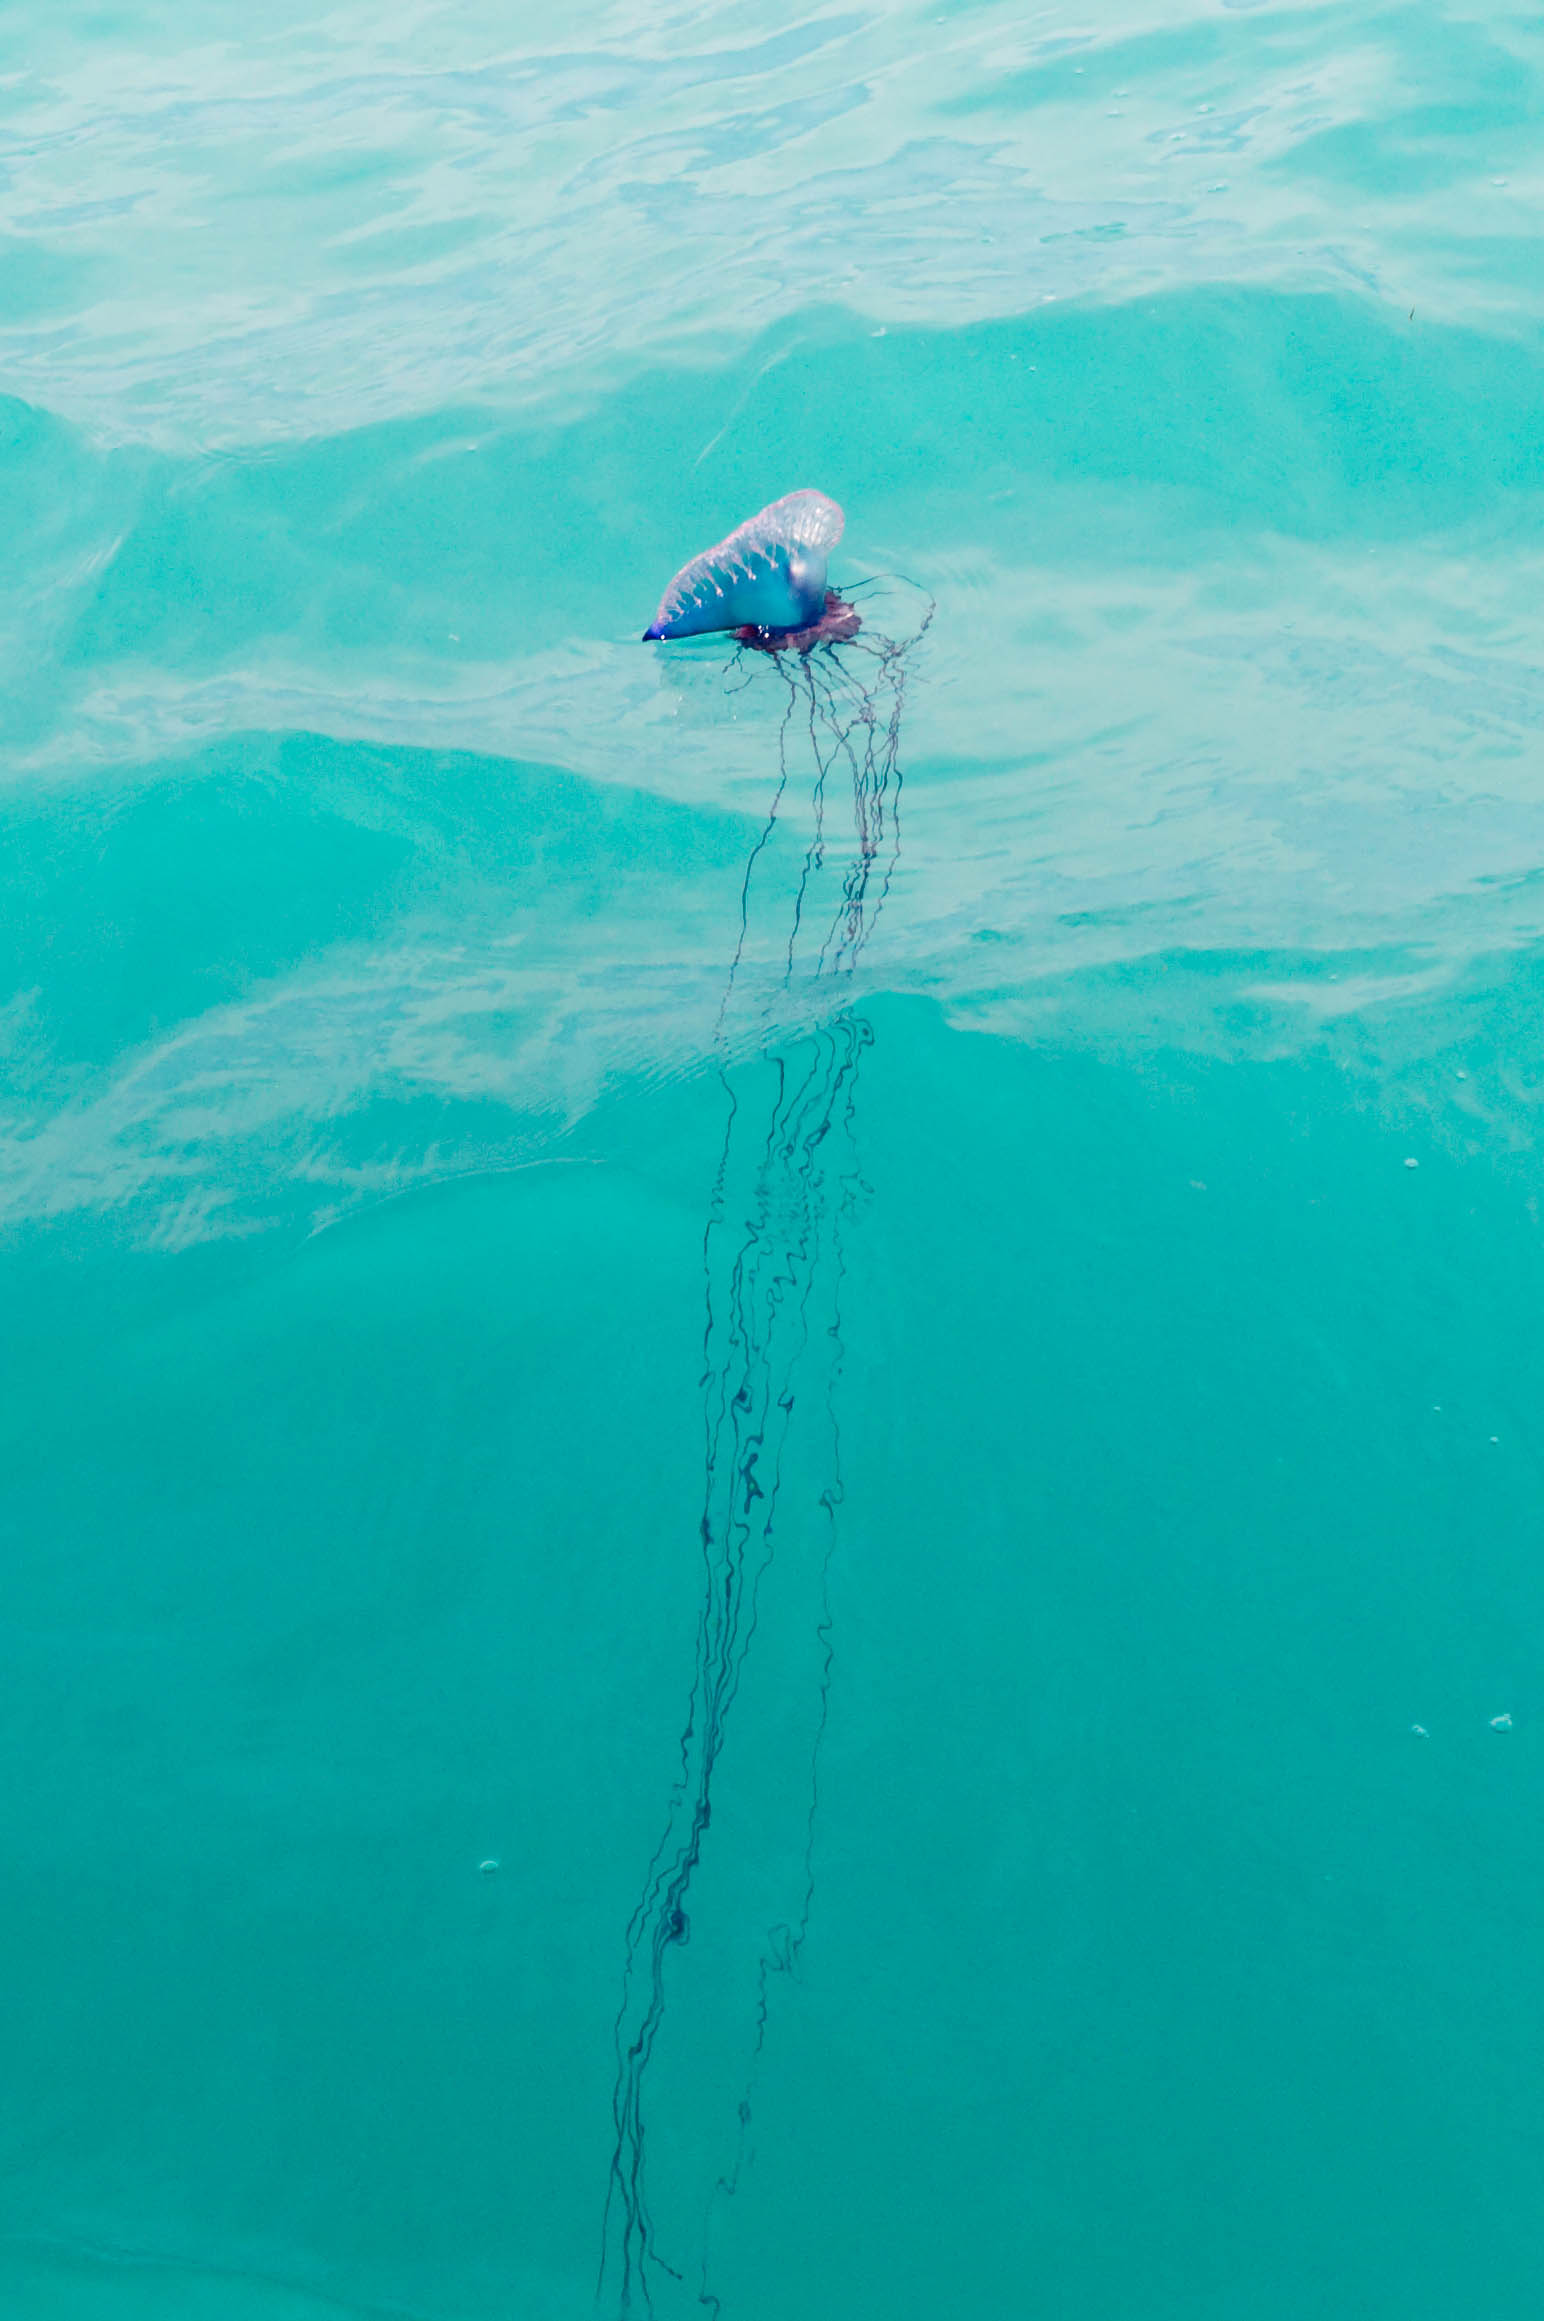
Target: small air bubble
[
  {"x": 1421, "y": 1729},
  {"x": 1501, "y": 1724},
  {"x": 490, "y": 1866},
  {"x": 1412, "y": 1164}
]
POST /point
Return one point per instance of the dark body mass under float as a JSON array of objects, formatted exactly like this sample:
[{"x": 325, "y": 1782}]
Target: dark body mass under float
[{"x": 838, "y": 624}]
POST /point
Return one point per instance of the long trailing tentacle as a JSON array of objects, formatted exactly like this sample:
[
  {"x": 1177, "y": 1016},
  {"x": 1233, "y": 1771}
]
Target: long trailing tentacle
[
  {"x": 758, "y": 1329},
  {"x": 785, "y": 1941}
]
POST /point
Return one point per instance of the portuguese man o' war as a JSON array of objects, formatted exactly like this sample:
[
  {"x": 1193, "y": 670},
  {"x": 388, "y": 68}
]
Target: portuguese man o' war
[
  {"x": 788, "y": 1045},
  {"x": 766, "y": 580}
]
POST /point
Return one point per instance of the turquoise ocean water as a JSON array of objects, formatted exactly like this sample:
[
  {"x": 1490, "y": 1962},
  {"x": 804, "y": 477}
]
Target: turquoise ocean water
[{"x": 771, "y": 1456}]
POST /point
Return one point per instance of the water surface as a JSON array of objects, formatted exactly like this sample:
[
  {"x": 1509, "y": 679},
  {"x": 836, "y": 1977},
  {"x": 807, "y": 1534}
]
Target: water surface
[{"x": 1126, "y": 1243}]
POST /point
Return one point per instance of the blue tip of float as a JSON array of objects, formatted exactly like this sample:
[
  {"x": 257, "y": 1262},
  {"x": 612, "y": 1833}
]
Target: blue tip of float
[{"x": 652, "y": 636}]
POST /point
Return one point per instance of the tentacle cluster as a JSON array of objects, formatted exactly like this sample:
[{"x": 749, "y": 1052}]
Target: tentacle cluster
[{"x": 774, "y": 1271}]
